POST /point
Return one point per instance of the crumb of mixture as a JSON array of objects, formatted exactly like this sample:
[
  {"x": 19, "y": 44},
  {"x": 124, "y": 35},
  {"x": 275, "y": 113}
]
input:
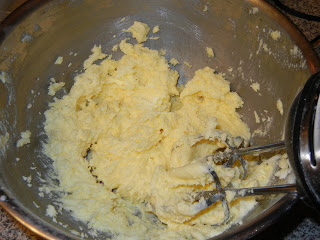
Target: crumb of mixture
[
  {"x": 25, "y": 138},
  {"x": 139, "y": 31},
  {"x": 36, "y": 205},
  {"x": 174, "y": 61},
  {"x": 51, "y": 212},
  {"x": 280, "y": 106},
  {"x": 256, "y": 117},
  {"x": 154, "y": 38},
  {"x": 28, "y": 180},
  {"x": 210, "y": 52},
  {"x": 4, "y": 139},
  {"x": 163, "y": 52},
  {"x": 155, "y": 29},
  {"x": 96, "y": 55},
  {"x": 205, "y": 8},
  {"x": 123, "y": 19},
  {"x": 254, "y": 10},
  {"x": 59, "y": 60},
  {"x": 3, "y": 76},
  {"x": 295, "y": 51},
  {"x": 255, "y": 86},
  {"x": 284, "y": 168},
  {"x": 275, "y": 35},
  {"x": 266, "y": 49},
  {"x": 115, "y": 47},
  {"x": 54, "y": 87},
  {"x": 187, "y": 64}
]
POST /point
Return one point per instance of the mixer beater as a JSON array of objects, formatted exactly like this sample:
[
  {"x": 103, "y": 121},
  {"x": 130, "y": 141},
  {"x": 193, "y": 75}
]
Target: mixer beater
[{"x": 302, "y": 144}]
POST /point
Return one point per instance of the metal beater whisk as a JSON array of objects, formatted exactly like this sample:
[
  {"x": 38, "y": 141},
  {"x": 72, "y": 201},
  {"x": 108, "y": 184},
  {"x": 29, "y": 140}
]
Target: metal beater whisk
[{"x": 302, "y": 144}]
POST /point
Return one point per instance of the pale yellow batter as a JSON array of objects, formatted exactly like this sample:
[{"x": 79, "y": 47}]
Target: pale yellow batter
[{"x": 129, "y": 148}]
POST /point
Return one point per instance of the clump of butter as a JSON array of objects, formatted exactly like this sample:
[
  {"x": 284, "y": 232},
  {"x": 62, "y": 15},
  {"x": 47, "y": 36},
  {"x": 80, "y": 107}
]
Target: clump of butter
[
  {"x": 59, "y": 60},
  {"x": 139, "y": 31},
  {"x": 25, "y": 138},
  {"x": 187, "y": 64},
  {"x": 3, "y": 76},
  {"x": 4, "y": 140},
  {"x": 210, "y": 52},
  {"x": 280, "y": 106},
  {"x": 156, "y": 29},
  {"x": 275, "y": 35},
  {"x": 54, "y": 86},
  {"x": 174, "y": 61},
  {"x": 255, "y": 86}
]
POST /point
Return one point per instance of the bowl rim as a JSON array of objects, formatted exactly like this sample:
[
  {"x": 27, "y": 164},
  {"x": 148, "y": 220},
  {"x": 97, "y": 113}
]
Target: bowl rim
[{"x": 257, "y": 225}]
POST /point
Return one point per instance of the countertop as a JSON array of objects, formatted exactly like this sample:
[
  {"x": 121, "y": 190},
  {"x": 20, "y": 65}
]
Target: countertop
[{"x": 300, "y": 222}]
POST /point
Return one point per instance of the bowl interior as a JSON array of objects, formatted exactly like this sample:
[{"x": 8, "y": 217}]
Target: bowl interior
[{"x": 36, "y": 34}]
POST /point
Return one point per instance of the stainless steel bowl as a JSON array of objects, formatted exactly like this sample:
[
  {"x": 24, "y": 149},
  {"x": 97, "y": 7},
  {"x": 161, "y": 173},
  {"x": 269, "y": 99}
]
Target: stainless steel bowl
[{"x": 34, "y": 35}]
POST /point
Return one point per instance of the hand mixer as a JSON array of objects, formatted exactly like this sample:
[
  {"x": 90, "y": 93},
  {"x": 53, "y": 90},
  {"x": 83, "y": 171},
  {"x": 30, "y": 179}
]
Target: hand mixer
[{"x": 302, "y": 144}]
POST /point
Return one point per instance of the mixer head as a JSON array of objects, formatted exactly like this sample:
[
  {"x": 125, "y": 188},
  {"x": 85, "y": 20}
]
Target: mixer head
[{"x": 303, "y": 141}]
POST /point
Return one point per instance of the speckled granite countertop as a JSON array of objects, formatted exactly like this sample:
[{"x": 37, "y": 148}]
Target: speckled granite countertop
[{"x": 299, "y": 223}]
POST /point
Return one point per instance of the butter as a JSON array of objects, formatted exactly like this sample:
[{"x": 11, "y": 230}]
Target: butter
[
  {"x": 54, "y": 87},
  {"x": 280, "y": 106},
  {"x": 210, "y": 52},
  {"x": 187, "y": 64},
  {"x": 255, "y": 86},
  {"x": 59, "y": 60},
  {"x": 275, "y": 35},
  {"x": 174, "y": 61},
  {"x": 4, "y": 140},
  {"x": 25, "y": 138},
  {"x": 155, "y": 29},
  {"x": 130, "y": 148},
  {"x": 139, "y": 31}
]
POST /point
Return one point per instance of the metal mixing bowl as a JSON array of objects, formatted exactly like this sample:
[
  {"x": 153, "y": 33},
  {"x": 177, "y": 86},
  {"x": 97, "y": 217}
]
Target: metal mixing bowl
[{"x": 34, "y": 35}]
